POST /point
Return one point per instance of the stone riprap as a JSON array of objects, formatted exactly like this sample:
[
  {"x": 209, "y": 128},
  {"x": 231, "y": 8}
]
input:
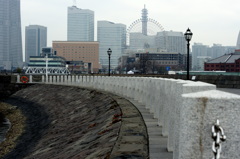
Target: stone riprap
[
  {"x": 170, "y": 109},
  {"x": 72, "y": 122}
]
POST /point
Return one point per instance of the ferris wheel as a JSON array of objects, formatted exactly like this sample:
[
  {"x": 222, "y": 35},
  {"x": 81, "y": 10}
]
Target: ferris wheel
[
  {"x": 146, "y": 26},
  {"x": 153, "y": 26}
]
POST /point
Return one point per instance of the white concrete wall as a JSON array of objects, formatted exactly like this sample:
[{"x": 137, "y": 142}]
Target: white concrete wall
[{"x": 186, "y": 110}]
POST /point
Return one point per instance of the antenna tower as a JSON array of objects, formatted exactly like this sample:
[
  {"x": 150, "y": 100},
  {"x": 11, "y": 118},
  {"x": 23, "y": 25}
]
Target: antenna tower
[{"x": 74, "y": 3}]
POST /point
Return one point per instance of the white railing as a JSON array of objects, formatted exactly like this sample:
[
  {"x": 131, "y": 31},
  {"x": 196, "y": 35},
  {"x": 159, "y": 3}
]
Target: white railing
[{"x": 186, "y": 110}]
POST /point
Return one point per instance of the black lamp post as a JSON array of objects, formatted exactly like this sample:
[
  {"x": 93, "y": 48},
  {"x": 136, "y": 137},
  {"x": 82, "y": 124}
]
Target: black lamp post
[
  {"x": 109, "y": 52},
  {"x": 188, "y": 37}
]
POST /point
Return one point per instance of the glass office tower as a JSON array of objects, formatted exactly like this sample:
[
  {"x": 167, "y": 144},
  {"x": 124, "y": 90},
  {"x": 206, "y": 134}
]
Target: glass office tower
[
  {"x": 111, "y": 35},
  {"x": 80, "y": 25},
  {"x": 35, "y": 40},
  {"x": 10, "y": 35}
]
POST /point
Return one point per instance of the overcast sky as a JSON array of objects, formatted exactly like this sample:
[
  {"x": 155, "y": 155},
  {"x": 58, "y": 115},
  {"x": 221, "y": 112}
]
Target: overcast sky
[{"x": 211, "y": 21}]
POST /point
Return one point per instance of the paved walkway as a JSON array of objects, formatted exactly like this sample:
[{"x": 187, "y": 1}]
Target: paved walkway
[
  {"x": 157, "y": 143},
  {"x": 230, "y": 90}
]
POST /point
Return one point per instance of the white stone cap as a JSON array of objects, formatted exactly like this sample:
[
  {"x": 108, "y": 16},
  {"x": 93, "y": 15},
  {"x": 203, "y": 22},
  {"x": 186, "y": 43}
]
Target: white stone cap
[
  {"x": 213, "y": 94},
  {"x": 184, "y": 81},
  {"x": 199, "y": 84},
  {"x": 170, "y": 79}
]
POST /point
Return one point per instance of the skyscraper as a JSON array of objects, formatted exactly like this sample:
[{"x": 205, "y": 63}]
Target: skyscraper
[
  {"x": 198, "y": 50},
  {"x": 35, "y": 39},
  {"x": 172, "y": 41},
  {"x": 10, "y": 34},
  {"x": 80, "y": 25},
  {"x": 238, "y": 41},
  {"x": 111, "y": 35}
]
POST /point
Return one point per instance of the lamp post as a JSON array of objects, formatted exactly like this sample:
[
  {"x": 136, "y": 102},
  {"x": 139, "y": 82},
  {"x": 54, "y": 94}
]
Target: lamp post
[
  {"x": 188, "y": 36},
  {"x": 109, "y": 52},
  {"x": 46, "y": 59}
]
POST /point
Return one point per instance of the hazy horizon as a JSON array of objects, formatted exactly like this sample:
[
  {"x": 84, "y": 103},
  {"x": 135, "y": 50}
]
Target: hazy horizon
[{"x": 212, "y": 22}]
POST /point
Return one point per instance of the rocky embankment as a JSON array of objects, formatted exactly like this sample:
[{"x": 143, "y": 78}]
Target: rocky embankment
[{"x": 65, "y": 122}]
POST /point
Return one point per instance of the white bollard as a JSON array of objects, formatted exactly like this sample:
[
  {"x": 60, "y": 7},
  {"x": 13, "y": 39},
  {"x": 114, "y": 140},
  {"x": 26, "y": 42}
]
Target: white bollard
[
  {"x": 61, "y": 79},
  {"x": 18, "y": 78},
  {"x": 58, "y": 79},
  {"x": 157, "y": 101},
  {"x": 183, "y": 88},
  {"x": 30, "y": 79},
  {"x": 65, "y": 79},
  {"x": 77, "y": 80},
  {"x": 54, "y": 79},
  {"x": 199, "y": 113},
  {"x": 43, "y": 78},
  {"x": 166, "y": 102}
]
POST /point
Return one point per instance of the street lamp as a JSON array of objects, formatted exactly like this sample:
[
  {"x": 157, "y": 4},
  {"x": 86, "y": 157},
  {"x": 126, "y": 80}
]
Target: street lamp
[
  {"x": 188, "y": 36},
  {"x": 46, "y": 59},
  {"x": 109, "y": 52}
]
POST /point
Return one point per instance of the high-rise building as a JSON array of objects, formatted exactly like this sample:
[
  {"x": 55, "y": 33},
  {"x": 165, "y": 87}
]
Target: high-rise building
[
  {"x": 10, "y": 35},
  {"x": 111, "y": 35},
  {"x": 171, "y": 41},
  {"x": 238, "y": 41},
  {"x": 80, "y": 25},
  {"x": 35, "y": 40},
  {"x": 198, "y": 50},
  {"x": 217, "y": 50},
  {"x": 202, "y": 53}
]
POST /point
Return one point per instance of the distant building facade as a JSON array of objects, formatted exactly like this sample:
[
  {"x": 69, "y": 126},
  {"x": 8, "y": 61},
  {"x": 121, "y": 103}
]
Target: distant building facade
[
  {"x": 139, "y": 41},
  {"x": 163, "y": 59},
  {"x": 200, "y": 51},
  {"x": 111, "y": 35},
  {"x": 171, "y": 41},
  {"x": 80, "y": 25},
  {"x": 10, "y": 35},
  {"x": 88, "y": 52},
  {"x": 153, "y": 62},
  {"x": 40, "y": 61},
  {"x": 200, "y": 62},
  {"x": 238, "y": 41},
  {"x": 228, "y": 62},
  {"x": 35, "y": 40}
]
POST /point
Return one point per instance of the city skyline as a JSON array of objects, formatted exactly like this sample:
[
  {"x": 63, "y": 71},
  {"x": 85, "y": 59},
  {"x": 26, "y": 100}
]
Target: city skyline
[{"x": 210, "y": 21}]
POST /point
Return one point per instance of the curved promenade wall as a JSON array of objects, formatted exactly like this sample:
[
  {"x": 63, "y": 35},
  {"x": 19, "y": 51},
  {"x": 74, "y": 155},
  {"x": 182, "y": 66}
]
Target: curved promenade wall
[{"x": 187, "y": 110}]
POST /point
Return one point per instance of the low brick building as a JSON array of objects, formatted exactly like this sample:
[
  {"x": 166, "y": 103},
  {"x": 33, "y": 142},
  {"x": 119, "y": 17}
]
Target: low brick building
[
  {"x": 88, "y": 52},
  {"x": 228, "y": 62}
]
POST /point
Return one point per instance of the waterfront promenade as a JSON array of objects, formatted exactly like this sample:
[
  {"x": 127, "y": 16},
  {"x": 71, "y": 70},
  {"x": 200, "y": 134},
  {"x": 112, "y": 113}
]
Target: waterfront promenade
[{"x": 199, "y": 101}]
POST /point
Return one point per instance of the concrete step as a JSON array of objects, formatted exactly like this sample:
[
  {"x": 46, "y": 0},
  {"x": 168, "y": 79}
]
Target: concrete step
[{"x": 157, "y": 143}]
